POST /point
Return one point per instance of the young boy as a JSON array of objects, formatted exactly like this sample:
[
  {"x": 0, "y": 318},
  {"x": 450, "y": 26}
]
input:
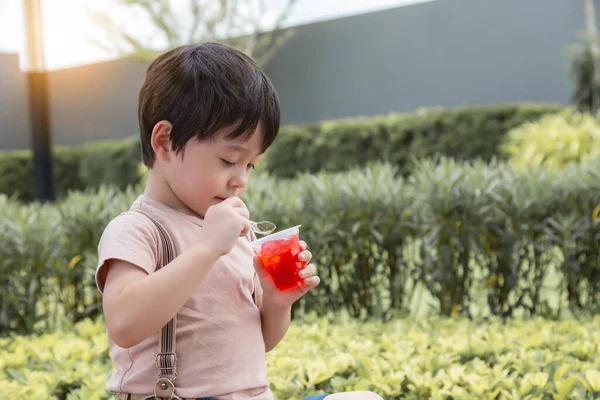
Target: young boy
[{"x": 206, "y": 113}]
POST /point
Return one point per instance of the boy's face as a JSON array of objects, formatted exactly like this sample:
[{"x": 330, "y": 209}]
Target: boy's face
[{"x": 208, "y": 172}]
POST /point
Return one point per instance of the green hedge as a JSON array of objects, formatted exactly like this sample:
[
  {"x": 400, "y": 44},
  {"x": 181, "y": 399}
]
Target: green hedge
[
  {"x": 16, "y": 173},
  {"x": 89, "y": 166},
  {"x": 474, "y": 239},
  {"x": 404, "y": 359},
  {"x": 463, "y": 133}
]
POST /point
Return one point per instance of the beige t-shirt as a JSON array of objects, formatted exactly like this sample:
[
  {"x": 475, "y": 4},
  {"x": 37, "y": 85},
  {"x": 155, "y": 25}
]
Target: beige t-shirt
[{"x": 220, "y": 347}]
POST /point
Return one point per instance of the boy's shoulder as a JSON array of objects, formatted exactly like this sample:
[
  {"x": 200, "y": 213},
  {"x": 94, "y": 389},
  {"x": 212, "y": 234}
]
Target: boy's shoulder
[
  {"x": 134, "y": 218},
  {"x": 130, "y": 236},
  {"x": 129, "y": 221}
]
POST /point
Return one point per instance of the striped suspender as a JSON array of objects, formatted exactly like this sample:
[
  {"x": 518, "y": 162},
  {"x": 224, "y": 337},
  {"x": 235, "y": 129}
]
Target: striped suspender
[{"x": 166, "y": 359}]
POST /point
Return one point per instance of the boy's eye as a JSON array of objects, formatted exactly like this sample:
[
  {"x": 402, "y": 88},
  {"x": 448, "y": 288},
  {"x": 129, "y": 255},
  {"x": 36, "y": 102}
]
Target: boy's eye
[{"x": 230, "y": 164}]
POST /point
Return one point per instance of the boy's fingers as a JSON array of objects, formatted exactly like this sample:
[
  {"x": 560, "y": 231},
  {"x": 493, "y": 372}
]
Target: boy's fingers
[
  {"x": 258, "y": 264},
  {"x": 311, "y": 283},
  {"x": 258, "y": 267},
  {"x": 305, "y": 256},
  {"x": 243, "y": 212},
  {"x": 303, "y": 245},
  {"x": 245, "y": 231},
  {"x": 235, "y": 202},
  {"x": 309, "y": 271}
]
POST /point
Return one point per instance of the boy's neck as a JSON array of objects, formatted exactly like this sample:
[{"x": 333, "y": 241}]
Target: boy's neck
[{"x": 159, "y": 190}]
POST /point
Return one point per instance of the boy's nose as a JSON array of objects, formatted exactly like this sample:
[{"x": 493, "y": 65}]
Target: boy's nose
[{"x": 240, "y": 180}]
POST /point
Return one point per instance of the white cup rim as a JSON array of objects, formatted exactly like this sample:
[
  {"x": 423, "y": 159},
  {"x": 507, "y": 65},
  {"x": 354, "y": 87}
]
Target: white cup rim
[{"x": 284, "y": 234}]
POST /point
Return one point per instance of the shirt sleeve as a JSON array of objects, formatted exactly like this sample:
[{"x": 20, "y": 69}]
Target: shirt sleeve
[{"x": 130, "y": 237}]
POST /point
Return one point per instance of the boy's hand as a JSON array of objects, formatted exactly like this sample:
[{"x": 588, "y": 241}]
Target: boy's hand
[
  {"x": 223, "y": 224},
  {"x": 272, "y": 295}
]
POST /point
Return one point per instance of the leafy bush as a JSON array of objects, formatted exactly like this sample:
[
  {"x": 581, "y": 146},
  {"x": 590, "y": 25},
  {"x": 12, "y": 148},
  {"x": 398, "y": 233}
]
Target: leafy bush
[
  {"x": 74, "y": 169},
  {"x": 47, "y": 257},
  {"x": 462, "y": 133},
  {"x": 554, "y": 141},
  {"x": 111, "y": 162},
  {"x": 16, "y": 173},
  {"x": 404, "y": 359},
  {"x": 472, "y": 238},
  {"x": 478, "y": 237}
]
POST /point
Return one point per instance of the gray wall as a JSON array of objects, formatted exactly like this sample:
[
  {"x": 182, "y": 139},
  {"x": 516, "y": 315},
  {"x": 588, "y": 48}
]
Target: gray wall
[
  {"x": 441, "y": 53},
  {"x": 445, "y": 52},
  {"x": 87, "y": 103},
  {"x": 14, "y": 109},
  {"x": 97, "y": 101}
]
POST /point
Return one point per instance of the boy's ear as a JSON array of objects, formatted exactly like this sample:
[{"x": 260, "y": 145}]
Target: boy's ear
[{"x": 161, "y": 140}]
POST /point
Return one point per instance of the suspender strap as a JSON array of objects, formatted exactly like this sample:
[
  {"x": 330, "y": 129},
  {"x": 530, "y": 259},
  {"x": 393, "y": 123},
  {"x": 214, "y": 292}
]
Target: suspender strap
[{"x": 166, "y": 359}]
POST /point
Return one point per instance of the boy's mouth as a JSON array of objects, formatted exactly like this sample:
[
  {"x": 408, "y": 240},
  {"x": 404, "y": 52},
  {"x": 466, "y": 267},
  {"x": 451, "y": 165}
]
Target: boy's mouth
[{"x": 220, "y": 199}]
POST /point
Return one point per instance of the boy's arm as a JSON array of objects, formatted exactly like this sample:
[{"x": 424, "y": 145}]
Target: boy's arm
[
  {"x": 136, "y": 305},
  {"x": 275, "y": 323}
]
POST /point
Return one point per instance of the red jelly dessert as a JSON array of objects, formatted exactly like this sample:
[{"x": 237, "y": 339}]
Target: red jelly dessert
[{"x": 280, "y": 261}]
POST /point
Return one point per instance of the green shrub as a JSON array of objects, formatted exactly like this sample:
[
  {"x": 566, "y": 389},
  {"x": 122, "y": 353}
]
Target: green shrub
[
  {"x": 463, "y": 133},
  {"x": 111, "y": 162},
  {"x": 16, "y": 173},
  {"x": 47, "y": 258},
  {"x": 474, "y": 238},
  {"x": 405, "y": 359},
  {"x": 74, "y": 169},
  {"x": 555, "y": 141}
]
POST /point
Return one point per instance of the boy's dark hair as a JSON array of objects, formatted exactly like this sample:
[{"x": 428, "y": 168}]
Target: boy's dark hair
[{"x": 202, "y": 88}]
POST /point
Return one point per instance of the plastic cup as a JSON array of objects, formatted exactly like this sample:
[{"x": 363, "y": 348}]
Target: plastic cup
[{"x": 278, "y": 253}]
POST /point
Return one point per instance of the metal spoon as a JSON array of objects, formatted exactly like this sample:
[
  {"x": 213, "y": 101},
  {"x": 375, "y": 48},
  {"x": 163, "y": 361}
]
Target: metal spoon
[{"x": 263, "y": 227}]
